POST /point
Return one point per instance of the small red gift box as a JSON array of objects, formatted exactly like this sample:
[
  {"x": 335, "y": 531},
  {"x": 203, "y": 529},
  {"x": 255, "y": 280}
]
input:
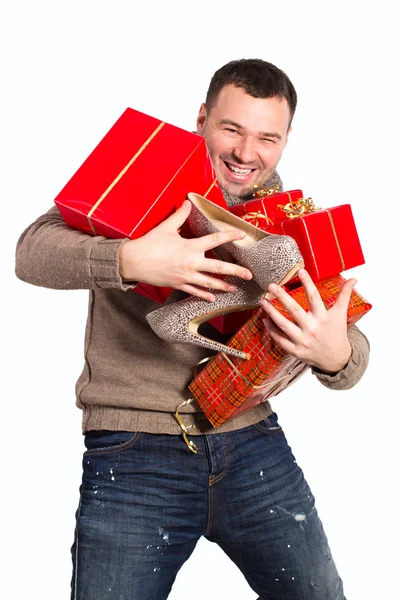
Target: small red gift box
[
  {"x": 264, "y": 212},
  {"x": 228, "y": 386},
  {"x": 327, "y": 239},
  {"x": 139, "y": 173}
]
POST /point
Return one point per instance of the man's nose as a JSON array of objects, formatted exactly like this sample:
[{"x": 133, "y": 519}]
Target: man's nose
[{"x": 245, "y": 150}]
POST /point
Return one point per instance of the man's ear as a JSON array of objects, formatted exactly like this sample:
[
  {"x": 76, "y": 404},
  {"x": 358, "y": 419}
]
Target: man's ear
[
  {"x": 287, "y": 136},
  {"x": 201, "y": 119}
]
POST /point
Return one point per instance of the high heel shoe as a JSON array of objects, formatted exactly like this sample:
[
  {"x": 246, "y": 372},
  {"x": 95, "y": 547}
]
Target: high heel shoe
[
  {"x": 179, "y": 321},
  {"x": 271, "y": 258}
]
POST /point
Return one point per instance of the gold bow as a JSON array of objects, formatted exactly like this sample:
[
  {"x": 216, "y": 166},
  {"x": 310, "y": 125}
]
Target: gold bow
[
  {"x": 300, "y": 207},
  {"x": 259, "y": 191},
  {"x": 255, "y": 216}
]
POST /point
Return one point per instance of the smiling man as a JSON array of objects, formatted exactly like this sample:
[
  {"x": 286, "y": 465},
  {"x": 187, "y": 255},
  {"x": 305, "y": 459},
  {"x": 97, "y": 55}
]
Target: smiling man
[
  {"x": 245, "y": 135},
  {"x": 145, "y": 499}
]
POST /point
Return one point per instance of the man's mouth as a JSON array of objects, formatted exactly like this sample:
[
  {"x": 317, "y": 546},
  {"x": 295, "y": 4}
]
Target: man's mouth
[{"x": 238, "y": 172}]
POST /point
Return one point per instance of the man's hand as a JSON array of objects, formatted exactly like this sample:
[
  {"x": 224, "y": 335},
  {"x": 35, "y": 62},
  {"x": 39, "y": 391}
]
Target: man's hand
[
  {"x": 163, "y": 258},
  {"x": 319, "y": 337}
]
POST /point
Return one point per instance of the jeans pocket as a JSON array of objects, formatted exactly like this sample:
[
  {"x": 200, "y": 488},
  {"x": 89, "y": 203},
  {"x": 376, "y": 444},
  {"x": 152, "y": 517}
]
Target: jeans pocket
[
  {"x": 269, "y": 425},
  {"x": 110, "y": 441}
]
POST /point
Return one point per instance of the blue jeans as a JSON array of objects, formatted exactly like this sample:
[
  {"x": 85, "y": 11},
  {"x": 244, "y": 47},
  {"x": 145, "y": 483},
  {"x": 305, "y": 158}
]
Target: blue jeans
[{"x": 146, "y": 500}]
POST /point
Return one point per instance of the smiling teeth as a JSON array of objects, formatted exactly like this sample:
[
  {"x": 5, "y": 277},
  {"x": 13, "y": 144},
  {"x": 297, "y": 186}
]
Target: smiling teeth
[{"x": 240, "y": 171}]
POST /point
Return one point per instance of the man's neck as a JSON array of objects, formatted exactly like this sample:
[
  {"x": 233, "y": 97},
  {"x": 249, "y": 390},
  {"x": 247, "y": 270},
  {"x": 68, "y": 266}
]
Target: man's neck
[{"x": 234, "y": 200}]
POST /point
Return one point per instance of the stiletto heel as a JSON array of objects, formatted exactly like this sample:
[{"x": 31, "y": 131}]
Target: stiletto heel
[
  {"x": 271, "y": 258},
  {"x": 179, "y": 321}
]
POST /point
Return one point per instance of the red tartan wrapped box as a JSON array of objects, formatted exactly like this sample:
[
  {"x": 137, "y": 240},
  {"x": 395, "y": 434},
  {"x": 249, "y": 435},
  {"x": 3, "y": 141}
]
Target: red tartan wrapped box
[
  {"x": 228, "y": 386},
  {"x": 327, "y": 239},
  {"x": 139, "y": 173},
  {"x": 264, "y": 212}
]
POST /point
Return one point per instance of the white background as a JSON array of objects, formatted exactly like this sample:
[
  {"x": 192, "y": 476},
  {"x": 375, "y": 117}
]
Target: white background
[{"x": 69, "y": 69}]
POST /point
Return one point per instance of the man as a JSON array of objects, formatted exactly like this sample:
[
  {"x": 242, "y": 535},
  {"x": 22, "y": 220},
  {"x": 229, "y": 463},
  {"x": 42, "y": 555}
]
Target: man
[{"x": 145, "y": 498}]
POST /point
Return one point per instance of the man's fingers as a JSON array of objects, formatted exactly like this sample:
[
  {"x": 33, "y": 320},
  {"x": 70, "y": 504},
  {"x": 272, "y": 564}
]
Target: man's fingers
[
  {"x": 343, "y": 299},
  {"x": 203, "y": 285},
  {"x": 313, "y": 296},
  {"x": 297, "y": 311},
  {"x": 279, "y": 336},
  {"x": 292, "y": 330},
  {"x": 206, "y": 280},
  {"x": 199, "y": 292},
  {"x": 208, "y": 242},
  {"x": 177, "y": 219},
  {"x": 222, "y": 267}
]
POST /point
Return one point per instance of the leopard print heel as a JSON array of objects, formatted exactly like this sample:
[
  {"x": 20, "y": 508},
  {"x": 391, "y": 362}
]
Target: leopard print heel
[
  {"x": 268, "y": 256},
  {"x": 179, "y": 321}
]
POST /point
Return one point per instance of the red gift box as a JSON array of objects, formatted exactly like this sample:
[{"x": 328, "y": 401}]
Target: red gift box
[
  {"x": 139, "y": 173},
  {"x": 264, "y": 212},
  {"x": 231, "y": 322},
  {"x": 327, "y": 239},
  {"x": 228, "y": 386}
]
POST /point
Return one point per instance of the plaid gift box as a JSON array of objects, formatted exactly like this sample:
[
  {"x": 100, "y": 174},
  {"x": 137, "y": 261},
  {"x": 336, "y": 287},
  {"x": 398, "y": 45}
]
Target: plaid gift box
[{"x": 227, "y": 386}]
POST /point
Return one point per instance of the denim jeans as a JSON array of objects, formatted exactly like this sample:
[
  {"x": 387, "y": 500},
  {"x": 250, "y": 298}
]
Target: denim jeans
[{"x": 146, "y": 500}]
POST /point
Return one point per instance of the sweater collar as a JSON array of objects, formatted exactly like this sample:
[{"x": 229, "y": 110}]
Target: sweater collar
[{"x": 234, "y": 200}]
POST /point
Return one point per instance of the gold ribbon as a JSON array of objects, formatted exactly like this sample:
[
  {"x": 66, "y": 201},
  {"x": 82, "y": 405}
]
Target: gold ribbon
[
  {"x": 255, "y": 216},
  {"x": 125, "y": 169},
  {"x": 186, "y": 429},
  {"x": 257, "y": 387},
  {"x": 247, "y": 382},
  {"x": 298, "y": 208},
  {"x": 121, "y": 174},
  {"x": 203, "y": 360},
  {"x": 210, "y": 188},
  {"x": 336, "y": 239},
  {"x": 262, "y": 191}
]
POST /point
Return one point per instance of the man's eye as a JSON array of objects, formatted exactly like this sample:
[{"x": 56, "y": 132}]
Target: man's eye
[
  {"x": 230, "y": 130},
  {"x": 268, "y": 140}
]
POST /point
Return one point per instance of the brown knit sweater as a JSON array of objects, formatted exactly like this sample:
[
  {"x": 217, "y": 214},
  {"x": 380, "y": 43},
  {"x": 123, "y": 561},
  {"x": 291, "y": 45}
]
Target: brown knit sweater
[{"x": 131, "y": 379}]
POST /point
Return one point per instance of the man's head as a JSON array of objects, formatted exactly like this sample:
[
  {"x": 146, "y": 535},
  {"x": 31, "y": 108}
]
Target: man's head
[{"x": 246, "y": 122}]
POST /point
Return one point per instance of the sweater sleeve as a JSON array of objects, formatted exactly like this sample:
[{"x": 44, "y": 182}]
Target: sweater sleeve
[
  {"x": 51, "y": 254},
  {"x": 355, "y": 368}
]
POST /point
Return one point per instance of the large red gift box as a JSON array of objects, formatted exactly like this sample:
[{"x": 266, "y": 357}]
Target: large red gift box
[
  {"x": 139, "y": 173},
  {"x": 228, "y": 386}
]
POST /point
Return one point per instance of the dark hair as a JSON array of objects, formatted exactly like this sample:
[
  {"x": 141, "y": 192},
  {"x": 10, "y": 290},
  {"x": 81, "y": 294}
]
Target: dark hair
[{"x": 258, "y": 78}]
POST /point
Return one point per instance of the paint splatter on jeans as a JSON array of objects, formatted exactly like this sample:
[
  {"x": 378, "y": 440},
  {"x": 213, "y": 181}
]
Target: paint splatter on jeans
[{"x": 146, "y": 500}]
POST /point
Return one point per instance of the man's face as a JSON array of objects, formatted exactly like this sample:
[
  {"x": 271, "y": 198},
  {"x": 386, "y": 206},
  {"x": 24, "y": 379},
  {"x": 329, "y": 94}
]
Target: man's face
[{"x": 245, "y": 137}]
